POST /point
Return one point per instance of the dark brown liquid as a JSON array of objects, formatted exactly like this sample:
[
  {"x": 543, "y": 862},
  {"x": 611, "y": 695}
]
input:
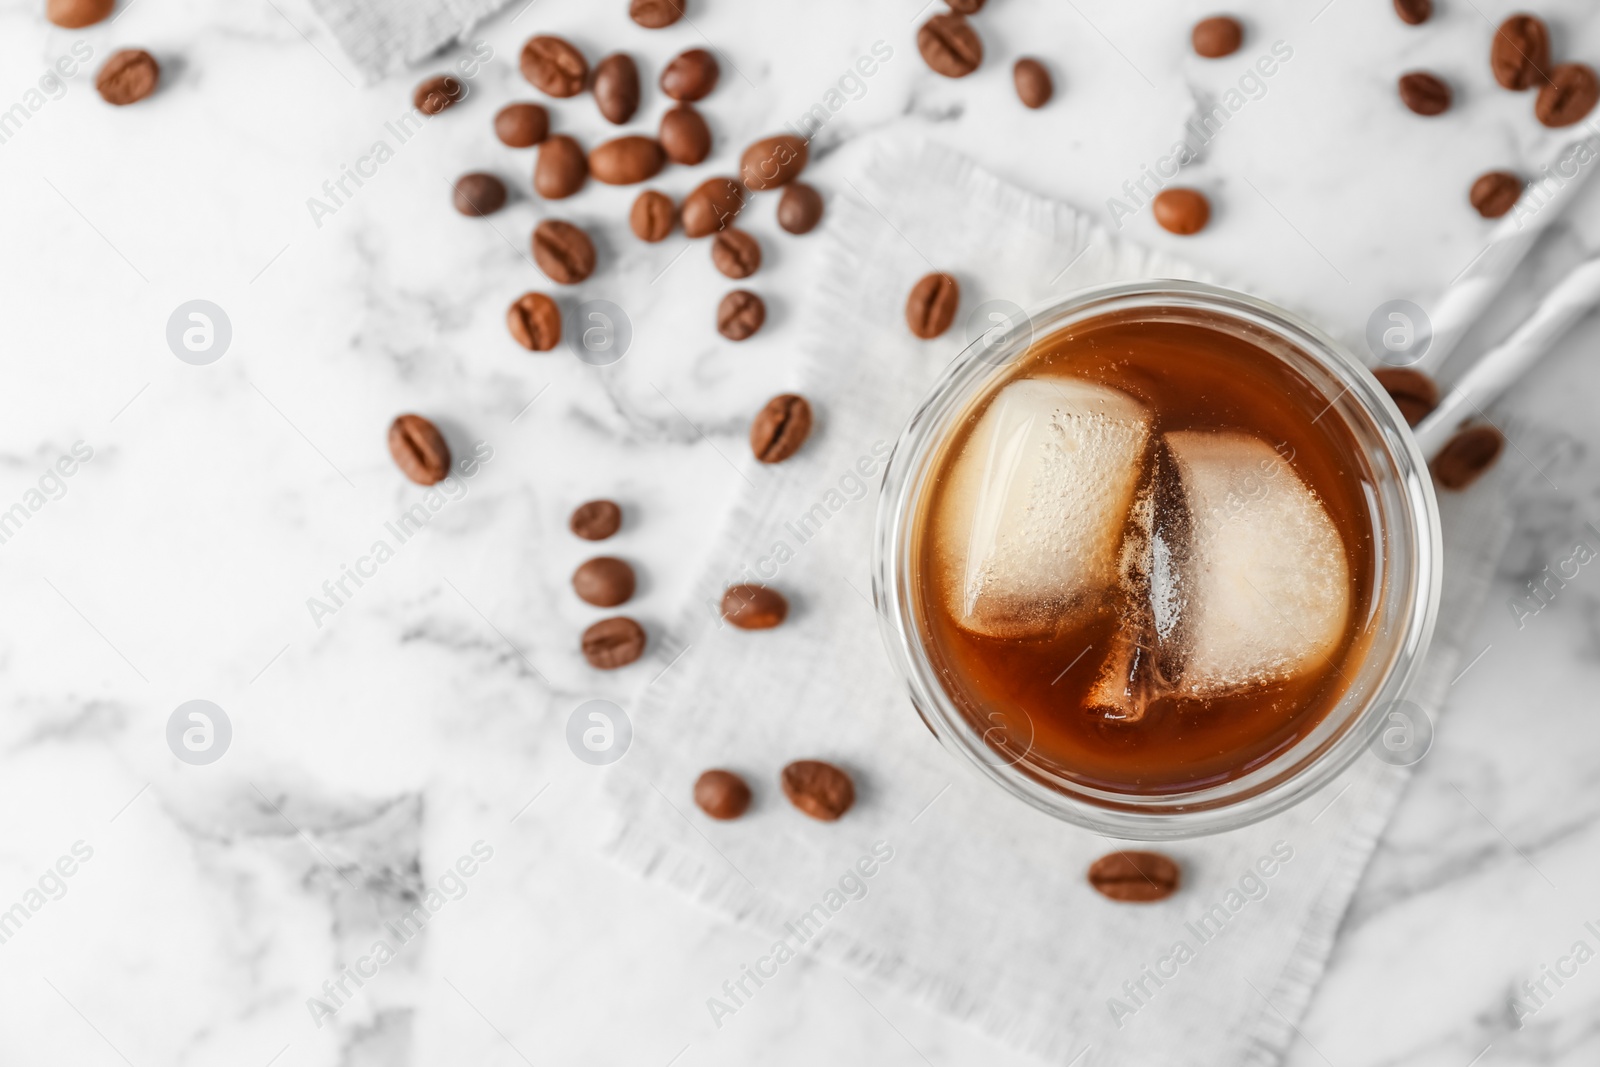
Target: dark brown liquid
[{"x": 1027, "y": 697}]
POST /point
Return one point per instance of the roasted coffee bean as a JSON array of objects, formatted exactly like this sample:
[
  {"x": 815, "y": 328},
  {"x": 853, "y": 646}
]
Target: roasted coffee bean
[
  {"x": 819, "y": 789},
  {"x": 1496, "y": 193},
  {"x": 1181, "y": 211},
  {"x": 950, "y": 46},
  {"x": 773, "y": 161},
  {"x": 1216, "y": 37},
  {"x": 780, "y": 428},
  {"x": 521, "y": 125},
  {"x": 684, "y": 135},
  {"x": 535, "y": 322},
  {"x": 965, "y": 7},
  {"x": 691, "y": 75},
  {"x": 561, "y": 168},
  {"x": 740, "y": 314},
  {"x": 721, "y": 794},
  {"x": 1135, "y": 877},
  {"x": 437, "y": 93},
  {"x": 553, "y": 66},
  {"x": 627, "y": 160},
  {"x": 419, "y": 450},
  {"x": 1424, "y": 93},
  {"x": 931, "y": 305},
  {"x": 1034, "y": 87},
  {"x": 712, "y": 206},
  {"x": 616, "y": 88},
  {"x": 604, "y": 581},
  {"x": 654, "y": 14},
  {"x": 736, "y": 253},
  {"x": 128, "y": 77},
  {"x": 563, "y": 251},
  {"x": 652, "y": 216},
  {"x": 1520, "y": 53},
  {"x": 800, "y": 208},
  {"x": 1568, "y": 96},
  {"x": 1414, "y": 12},
  {"x": 76, "y": 14},
  {"x": 596, "y": 520},
  {"x": 1466, "y": 456},
  {"x": 479, "y": 194},
  {"x": 612, "y": 643},
  {"x": 754, "y": 607},
  {"x": 1413, "y": 392}
]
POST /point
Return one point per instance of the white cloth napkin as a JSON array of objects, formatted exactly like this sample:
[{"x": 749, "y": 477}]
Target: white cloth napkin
[
  {"x": 383, "y": 36},
  {"x": 982, "y": 910}
]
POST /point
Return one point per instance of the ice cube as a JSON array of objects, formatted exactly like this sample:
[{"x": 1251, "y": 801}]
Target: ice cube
[{"x": 1031, "y": 522}]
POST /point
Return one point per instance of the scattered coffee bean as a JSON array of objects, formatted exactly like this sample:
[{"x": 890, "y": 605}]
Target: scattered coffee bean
[
  {"x": 479, "y": 194},
  {"x": 1034, "y": 87},
  {"x": 128, "y": 77},
  {"x": 419, "y": 450},
  {"x": 561, "y": 168},
  {"x": 627, "y": 160},
  {"x": 965, "y": 7},
  {"x": 535, "y": 322},
  {"x": 1413, "y": 392},
  {"x": 735, "y": 253},
  {"x": 931, "y": 306},
  {"x": 754, "y": 607},
  {"x": 616, "y": 87},
  {"x": 1216, "y": 37},
  {"x": 1184, "y": 212},
  {"x": 604, "y": 581},
  {"x": 780, "y": 428},
  {"x": 819, "y": 789},
  {"x": 740, "y": 315},
  {"x": 1424, "y": 93},
  {"x": 652, "y": 216},
  {"x": 950, "y": 46},
  {"x": 76, "y": 14},
  {"x": 712, "y": 206},
  {"x": 553, "y": 66},
  {"x": 1413, "y": 12},
  {"x": 654, "y": 14},
  {"x": 800, "y": 208},
  {"x": 563, "y": 251},
  {"x": 596, "y": 520},
  {"x": 773, "y": 161},
  {"x": 1135, "y": 877},
  {"x": 521, "y": 125},
  {"x": 1520, "y": 53},
  {"x": 437, "y": 93},
  {"x": 1496, "y": 193},
  {"x": 1569, "y": 95},
  {"x": 1466, "y": 456},
  {"x": 691, "y": 75},
  {"x": 684, "y": 135},
  {"x": 721, "y": 794},
  {"x": 612, "y": 643}
]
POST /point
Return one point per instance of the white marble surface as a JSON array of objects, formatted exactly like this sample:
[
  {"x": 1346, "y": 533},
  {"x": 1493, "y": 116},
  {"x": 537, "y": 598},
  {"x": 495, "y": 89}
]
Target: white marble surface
[{"x": 373, "y": 752}]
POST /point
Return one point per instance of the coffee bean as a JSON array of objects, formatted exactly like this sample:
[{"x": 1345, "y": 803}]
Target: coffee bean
[
  {"x": 437, "y": 93},
  {"x": 965, "y": 7},
  {"x": 1520, "y": 53},
  {"x": 950, "y": 46},
  {"x": 1034, "y": 87},
  {"x": 1424, "y": 93},
  {"x": 1216, "y": 37},
  {"x": 553, "y": 66},
  {"x": 535, "y": 322},
  {"x": 800, "y": 208},
  {"x": 563, "y": 251},
  {"x": 754, "y": 607},
  {"x": 604, "y": 581},
  {"x": 721, "y": 794},
  {"x": 1181, "y": 211},
  {"x": 1413, "y": 12},
  {"x": 691, "y": 75},
  {"x": 931, "y": 306},
  {"x": 773, "y": 161},
  {"x": 1466, "y": 456},
  {"x": 128, "y": 77},
  {"x": 1496, "y": 193},
  {"x": 627, "y": 160},
  {"x": 560, "y": 169},
  {"x": 419, "y": 450},
  {"x": 684, "y": 135},
  {"x": 740, "y": 314},
  {"x": 616, "y": 88},
  {"x": 612, "y": 643},
  {"x": 780, "y": 428},
  {"x": 521, "y": 125},
  {"x": 736, "y": 253},
  {"x": 1569, "y": 95},
  {"x": 1413, "y": 392},
  {"x": 1135, "y": 877},
  {"x": 654, "y": 14},
  {"x": 819, "y": 789},
  {"x": 652, "y": 216},
  {"x": 479, "y": 194},
  {"x": 712, "y": 206},
  {"x": 76, "y": 14},
  {"x": 596, "y": 520}
]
